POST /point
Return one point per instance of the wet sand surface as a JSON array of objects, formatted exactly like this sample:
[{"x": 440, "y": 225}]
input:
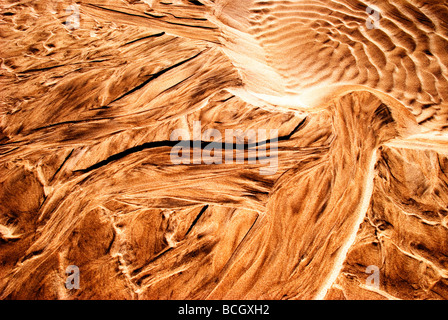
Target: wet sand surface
[{"x": 353, "y": 96}]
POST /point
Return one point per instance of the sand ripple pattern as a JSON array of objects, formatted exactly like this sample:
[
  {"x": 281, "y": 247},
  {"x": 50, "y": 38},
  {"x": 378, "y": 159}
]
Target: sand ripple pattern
[{"x": 323, "y": 44}]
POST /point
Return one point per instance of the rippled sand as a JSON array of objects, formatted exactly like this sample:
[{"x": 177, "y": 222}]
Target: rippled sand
[{"x": 87, "y": 180}]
